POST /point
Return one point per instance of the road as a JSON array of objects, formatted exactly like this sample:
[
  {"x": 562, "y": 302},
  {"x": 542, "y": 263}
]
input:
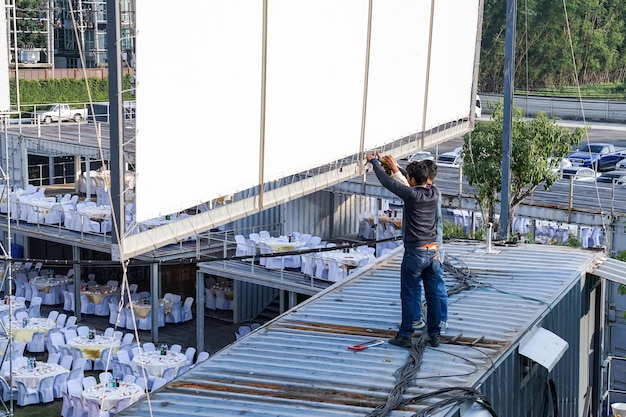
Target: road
[{"x": 599, "y": 132}]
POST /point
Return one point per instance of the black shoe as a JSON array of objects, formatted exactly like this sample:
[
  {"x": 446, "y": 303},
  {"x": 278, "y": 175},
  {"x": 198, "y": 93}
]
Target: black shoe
[
  {"x": 434, "y": 341},
  {"x": 402, "y": 341}
]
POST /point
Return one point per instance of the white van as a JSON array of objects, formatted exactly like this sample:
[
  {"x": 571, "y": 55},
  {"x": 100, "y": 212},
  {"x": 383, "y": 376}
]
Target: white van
[{"x": 478, "y": 107}]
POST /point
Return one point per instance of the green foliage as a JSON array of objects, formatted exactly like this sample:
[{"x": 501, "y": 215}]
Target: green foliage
[
  {"x": 64, "y": 90},
  {"x": 573, "y": 241},
  {"x": 609, "y": 90},
  {"x": 32, "y": 24},
  {"x": 543, "y": 56},
  {"x": 538, "y": 145},
  {"x": 455, "y": 231}
]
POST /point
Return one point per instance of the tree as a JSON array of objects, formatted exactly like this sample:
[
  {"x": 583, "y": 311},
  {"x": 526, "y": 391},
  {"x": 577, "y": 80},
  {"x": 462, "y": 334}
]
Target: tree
[
  {"x": 543, "y": 55},
  {"x": 537, "y": 148},
  {"x": 32, "y": 23}
]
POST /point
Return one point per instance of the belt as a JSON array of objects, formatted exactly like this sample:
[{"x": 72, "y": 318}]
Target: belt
[{"x": 434, "y": 246}]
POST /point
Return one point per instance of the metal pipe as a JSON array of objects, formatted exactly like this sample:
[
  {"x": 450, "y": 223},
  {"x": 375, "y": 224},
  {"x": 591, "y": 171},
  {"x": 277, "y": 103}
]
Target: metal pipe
[{"x": 489, "y": 231}]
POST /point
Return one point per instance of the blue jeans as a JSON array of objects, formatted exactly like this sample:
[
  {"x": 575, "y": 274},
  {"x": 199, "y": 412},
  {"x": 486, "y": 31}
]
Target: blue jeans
[
  {"x": 419, "y": 265},
  {"x": 443, "y": 297}
]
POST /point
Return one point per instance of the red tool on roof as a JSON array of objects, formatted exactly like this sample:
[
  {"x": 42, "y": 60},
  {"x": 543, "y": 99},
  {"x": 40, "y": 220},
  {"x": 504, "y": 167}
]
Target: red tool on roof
[{"x": 365, "y": 345}]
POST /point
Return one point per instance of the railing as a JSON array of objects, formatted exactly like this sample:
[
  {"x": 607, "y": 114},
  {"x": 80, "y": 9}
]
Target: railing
[
  {"x": 608, "y": 368},
  {"x": 39, "y": 174},
  {"x": 566, "y": 108}
]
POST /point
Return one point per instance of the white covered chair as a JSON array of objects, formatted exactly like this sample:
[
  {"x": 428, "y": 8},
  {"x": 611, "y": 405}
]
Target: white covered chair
[
  {"x": 55, "y": 215},
  {"x": 335, "y": 271},
  {"x": 116, "y": 319},
  {"x": 93, "y": 409},
  {"x": 209, "y": 299},
  {"x": 221, "y": 302},
  {"x": 190, "y": 353},
  {"x": 104, "y": 361},
  {"x": 68, "y": 304},
  {"x": 244, "y": 247},
  {"x": 272, "y": 262},
  {"x": 102, "y": 309},
  {"x": 145, "y": 323},
  {"x": 67, "y": 409},
  {"x": 37, "y": 344},
  {"x": 185, "y": 311},
  {"x": 46, "y": 389},
  {"x": 59, "y": 385},
  {"x": 86, "y": 306},
  {"x": 25, "y": 395},
  {"x": 202, "y": 356},
  {"x": 174, "y": 316},
  {"x": 6, "y": 391},
  {"x": 307, "y": 264},
  {"x": 314, "y": 241}
]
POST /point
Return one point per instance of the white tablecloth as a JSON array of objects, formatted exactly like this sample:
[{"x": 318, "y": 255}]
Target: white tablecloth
[
  {"x": 155, "y": 363},
  {"x": 92, "y": 348},
  {"x": 25, "y": 334},
  {"x": 108, "y": 397},
  {"x": 16, "y": 304},
  {"x": 346, "y": 260},
  {"x": 32, "y": 377},
  {"x": 282, "y": 244},
  {"x": 142, "y": 310}
]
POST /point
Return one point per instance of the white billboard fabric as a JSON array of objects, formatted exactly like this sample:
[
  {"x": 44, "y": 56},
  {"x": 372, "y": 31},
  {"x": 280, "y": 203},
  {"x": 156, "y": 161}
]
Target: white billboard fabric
[
  {"x": 5, "y": 99},
  {"x": 212, "y": 119}
]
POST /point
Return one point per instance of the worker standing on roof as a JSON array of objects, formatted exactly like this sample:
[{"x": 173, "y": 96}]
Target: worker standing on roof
[
  {"x": 420, "y": 261},
  {"x": 399, "y": 174}
]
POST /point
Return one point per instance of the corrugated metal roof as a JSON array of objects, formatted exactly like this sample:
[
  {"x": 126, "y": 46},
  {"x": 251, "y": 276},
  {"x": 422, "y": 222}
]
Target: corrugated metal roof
[
  {"x": 610, "y": 269},
  {"x": 299, "y": 364}
]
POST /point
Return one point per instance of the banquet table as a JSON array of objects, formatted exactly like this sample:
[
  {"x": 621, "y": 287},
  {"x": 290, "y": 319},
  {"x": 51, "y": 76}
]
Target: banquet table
[
  {"x": 53, "y": 286},
  {"x": 16, "y": 304},
  {"x": 96, "y": 294},
  {"x": 142, "y": 309},
  {"x": 25, "y": 334},
  {"x": 92, "y": 348},
  {"x": 37, "y": 202},
  {"x": 155, "y": 364},
  {"x": 108, "y": 397},
  {"x": 96, "y": 212},
  {"x": 346, "y": 260},
  {"x": 32, "y": 377},
  {"x": 282, "y": 244}
]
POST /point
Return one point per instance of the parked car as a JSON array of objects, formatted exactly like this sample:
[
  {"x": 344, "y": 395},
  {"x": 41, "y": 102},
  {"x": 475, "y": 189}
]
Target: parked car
[
  {"x": 59, "y": 111},
  {"x": 451, "y": 159},
  {"x": 621, "y": 165},
  {"x": 579, "y": 173},
  {"x": 610, "y": 176},
  {"x": 421, "y": 156},
  {"x": 599, "y": 156}
]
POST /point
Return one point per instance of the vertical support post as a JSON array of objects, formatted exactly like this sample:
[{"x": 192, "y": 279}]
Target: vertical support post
[
  {"x": 51, "y": 174},
  {"x": 154, "y": 300},
  {"x": 114, "y": 53},
  {"x": 77, "y": 272},
  {"x": 200, "y": 302},
  {"x": 293, "y": 299},
  {"x": 507, "y": 126}
]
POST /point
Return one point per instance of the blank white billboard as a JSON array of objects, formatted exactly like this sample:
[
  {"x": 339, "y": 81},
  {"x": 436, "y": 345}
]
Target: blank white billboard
[
  {"x": 5, "y": 101},
  {"x": 218, "y": 112}
]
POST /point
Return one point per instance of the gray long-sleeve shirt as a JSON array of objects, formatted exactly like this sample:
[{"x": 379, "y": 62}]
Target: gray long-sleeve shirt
[{"x": 420, "y": 208}]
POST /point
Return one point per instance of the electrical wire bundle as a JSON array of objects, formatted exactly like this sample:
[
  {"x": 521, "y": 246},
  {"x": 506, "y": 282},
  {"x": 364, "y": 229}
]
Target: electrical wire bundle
[{"x": 404, "y": 379}]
